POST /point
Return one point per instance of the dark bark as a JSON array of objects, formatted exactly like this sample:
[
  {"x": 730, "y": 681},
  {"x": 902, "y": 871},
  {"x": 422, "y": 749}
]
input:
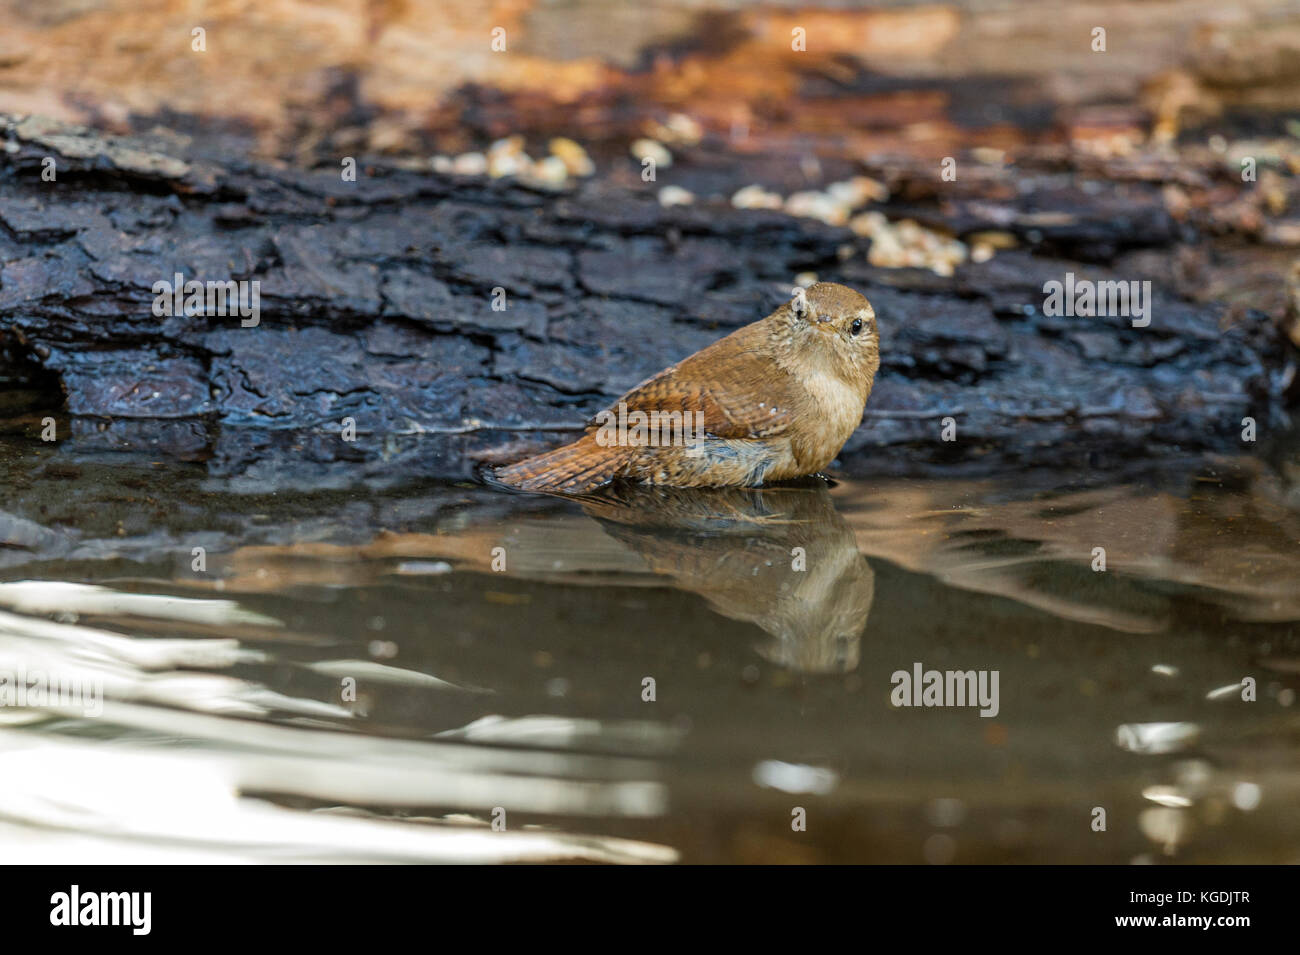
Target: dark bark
[{"x": 376, "y": 304}]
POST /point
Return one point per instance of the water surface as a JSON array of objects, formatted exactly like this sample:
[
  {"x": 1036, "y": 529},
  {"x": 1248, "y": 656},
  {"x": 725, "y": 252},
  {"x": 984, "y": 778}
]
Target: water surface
[{"x": 382, "y": 673}]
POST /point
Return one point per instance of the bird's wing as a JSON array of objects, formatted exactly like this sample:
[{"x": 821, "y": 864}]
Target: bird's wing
[{"x": 733, "y": 383}]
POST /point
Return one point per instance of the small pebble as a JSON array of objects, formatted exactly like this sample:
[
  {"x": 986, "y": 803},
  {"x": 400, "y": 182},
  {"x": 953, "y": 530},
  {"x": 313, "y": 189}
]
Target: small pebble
[
  {"x": 644, "y": 149},
  {"x": 675, "y": 196}
]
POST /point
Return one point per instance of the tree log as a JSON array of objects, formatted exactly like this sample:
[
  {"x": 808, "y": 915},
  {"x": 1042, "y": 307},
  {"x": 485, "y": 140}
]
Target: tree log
[{"x": 377, "y": 305}]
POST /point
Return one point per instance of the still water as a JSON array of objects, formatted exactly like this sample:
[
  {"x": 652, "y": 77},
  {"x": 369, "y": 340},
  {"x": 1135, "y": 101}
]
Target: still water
[{"x": 435, "y": 672}]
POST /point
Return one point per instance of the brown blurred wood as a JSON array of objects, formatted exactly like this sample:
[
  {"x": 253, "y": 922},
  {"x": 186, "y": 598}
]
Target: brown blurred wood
[{"x": 920, "y": 78}]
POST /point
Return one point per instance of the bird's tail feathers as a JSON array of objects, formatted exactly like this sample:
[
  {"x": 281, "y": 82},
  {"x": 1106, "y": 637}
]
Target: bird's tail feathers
[{"x": 583, "y": 465}]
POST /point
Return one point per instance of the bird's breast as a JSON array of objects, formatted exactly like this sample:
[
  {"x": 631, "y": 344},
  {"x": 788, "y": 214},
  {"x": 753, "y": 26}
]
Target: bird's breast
[{"x": 834, "y": 412}]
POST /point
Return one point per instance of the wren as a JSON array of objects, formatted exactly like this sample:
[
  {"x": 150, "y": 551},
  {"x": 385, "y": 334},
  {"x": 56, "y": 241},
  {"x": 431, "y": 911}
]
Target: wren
[{"x": 773, "y": 400}]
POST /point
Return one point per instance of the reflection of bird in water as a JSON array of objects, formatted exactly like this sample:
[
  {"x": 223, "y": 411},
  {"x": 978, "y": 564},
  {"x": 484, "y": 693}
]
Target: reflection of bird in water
[{"x": 782, "y": 558}]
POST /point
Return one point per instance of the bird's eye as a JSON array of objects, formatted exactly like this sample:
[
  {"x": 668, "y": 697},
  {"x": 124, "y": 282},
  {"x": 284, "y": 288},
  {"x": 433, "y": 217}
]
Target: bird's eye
[{"x": 856, "y": 326}]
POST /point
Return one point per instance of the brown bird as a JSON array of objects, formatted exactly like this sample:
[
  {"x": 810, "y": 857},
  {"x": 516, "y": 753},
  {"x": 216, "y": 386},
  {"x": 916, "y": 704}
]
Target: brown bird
[{"x": 773, "y": 400}]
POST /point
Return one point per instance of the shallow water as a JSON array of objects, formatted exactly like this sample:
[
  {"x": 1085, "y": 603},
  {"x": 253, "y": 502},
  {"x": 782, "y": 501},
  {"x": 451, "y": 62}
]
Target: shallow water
[{"x": 379, "y": 674}]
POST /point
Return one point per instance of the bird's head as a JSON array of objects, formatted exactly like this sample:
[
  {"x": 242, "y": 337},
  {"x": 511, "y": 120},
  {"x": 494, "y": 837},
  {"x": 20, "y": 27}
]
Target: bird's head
[{"x": 835, "y": 325}]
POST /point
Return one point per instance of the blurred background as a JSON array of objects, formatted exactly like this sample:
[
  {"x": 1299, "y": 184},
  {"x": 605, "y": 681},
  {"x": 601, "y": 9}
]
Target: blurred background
[{"x": 303, "y": 79}]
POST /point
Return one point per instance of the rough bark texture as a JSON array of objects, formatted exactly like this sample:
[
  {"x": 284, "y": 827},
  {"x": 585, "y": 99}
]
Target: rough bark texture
[{"x": 376, "y": 304}]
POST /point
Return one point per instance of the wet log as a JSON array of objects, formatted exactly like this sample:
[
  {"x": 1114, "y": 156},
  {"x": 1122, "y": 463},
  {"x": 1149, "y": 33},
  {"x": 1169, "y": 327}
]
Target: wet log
[{"x": 377, "y": 312}]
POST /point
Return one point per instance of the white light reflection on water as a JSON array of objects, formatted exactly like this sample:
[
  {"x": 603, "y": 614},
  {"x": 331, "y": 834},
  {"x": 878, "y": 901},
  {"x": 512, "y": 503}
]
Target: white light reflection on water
[
  {"x": 198, "y": 760},
  {"x": 69, "y": 800}
]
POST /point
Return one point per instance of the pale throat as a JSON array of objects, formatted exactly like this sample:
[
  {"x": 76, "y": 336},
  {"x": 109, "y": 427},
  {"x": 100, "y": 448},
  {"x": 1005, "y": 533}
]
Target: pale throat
[{"x": 831, "y": 378}]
